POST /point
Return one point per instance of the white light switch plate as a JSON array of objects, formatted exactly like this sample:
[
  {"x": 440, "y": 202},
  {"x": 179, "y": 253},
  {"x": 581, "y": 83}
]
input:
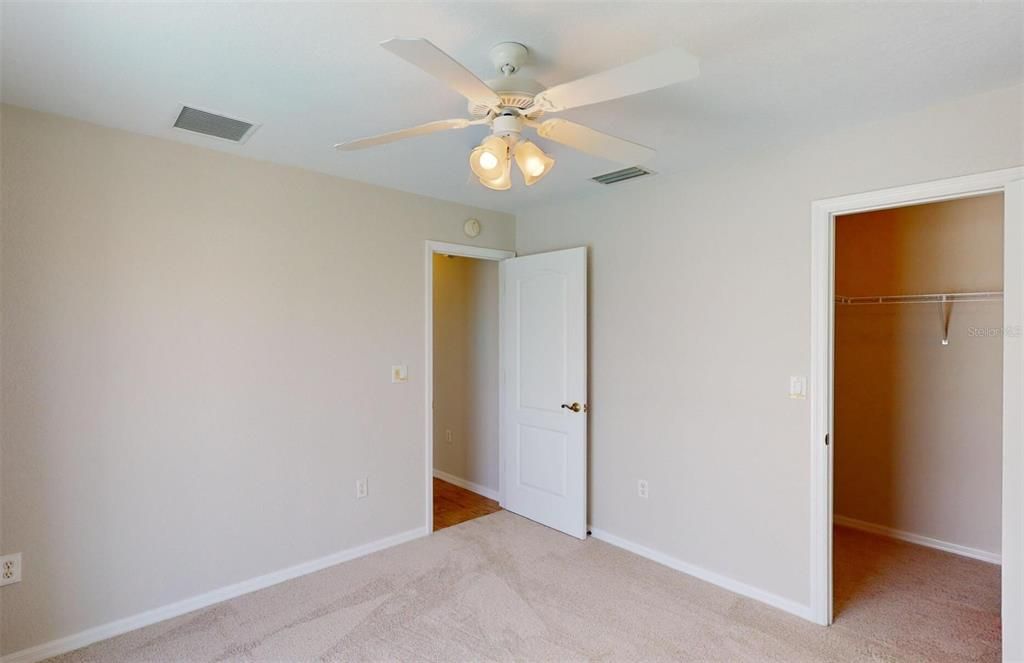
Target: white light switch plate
[
  {"x": 797, "y": 387},
  {"x": 400, "y": 373}
]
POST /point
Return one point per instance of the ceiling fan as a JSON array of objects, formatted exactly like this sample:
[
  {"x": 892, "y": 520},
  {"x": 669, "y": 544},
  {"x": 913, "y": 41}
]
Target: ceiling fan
[{"x": 513, "y": 102}]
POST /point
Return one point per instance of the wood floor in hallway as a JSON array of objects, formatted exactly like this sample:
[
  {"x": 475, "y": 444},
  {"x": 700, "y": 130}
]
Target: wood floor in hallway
[{"x": 454, "y": 505}]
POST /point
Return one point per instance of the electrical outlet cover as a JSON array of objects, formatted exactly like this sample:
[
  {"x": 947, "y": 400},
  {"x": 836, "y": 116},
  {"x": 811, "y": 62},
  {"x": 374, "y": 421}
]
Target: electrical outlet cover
[{"x": 10, "y": 569}]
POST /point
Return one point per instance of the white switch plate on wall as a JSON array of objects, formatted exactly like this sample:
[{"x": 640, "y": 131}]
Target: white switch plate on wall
[
  {"x": 362, "y": 490},
  {"x": 400, "y": 373},
  {"x": 797, "y": 387}
]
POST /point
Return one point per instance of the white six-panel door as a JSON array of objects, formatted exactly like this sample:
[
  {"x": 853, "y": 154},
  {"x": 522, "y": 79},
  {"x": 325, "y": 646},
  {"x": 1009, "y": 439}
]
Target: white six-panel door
[{"x": 544, "y": 368}]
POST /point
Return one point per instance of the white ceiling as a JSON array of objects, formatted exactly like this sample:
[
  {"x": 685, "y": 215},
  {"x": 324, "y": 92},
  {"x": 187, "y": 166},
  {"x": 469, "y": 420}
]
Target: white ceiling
[{"x": 313, "y": 74}]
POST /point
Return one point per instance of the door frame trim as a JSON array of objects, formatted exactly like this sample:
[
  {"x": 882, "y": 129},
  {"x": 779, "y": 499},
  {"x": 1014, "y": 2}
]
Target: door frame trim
[
  {"x": 463, "y": 251},
  {"x": 1010, "y": 182}
]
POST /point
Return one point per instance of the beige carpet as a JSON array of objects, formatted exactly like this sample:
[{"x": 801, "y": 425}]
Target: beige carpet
[
  {"x": 928, "y": 605},
  {"x": 503, "y": 588}
]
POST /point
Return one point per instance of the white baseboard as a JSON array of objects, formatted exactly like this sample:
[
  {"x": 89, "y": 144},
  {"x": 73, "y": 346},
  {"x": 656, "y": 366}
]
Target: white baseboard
[
  {"x": 774, "y": 600},
  {"x": 910, "y": 537},
  {"x": 111, "y": 629},
  {"x": 468, "y": 485}
]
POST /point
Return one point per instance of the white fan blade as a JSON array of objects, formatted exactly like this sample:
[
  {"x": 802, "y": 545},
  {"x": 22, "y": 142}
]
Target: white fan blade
[
  {"x": 443, "y": 67},
  {"x": 650, "y": 73},
  {"x": 594, "y": 142},
  {"x": 421, "y": 130}
]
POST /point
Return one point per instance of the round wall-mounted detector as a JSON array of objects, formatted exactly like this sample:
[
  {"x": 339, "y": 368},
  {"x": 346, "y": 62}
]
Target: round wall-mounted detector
[{"x": 471, "y": 228}]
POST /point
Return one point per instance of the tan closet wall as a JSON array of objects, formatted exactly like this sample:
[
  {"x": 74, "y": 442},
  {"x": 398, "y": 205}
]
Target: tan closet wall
[
  {"x": 466, "y": 369},
  {"x": 918, "y": 424}
]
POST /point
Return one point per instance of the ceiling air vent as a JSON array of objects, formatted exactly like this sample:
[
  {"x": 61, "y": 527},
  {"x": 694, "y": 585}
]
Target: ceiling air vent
[
  {"x": 617, "y": 176},
  {"x": 211, "y": 124}
]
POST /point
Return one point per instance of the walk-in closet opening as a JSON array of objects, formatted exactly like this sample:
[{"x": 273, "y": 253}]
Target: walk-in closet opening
[
  {"x": 918, "y": 357},
  {"x": 465, "y": 388}
]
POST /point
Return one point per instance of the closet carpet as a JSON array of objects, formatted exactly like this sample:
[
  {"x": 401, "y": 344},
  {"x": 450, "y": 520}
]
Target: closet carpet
[
  {"x": 930, "y": 605},
  {"x": 501, "y": 587}
]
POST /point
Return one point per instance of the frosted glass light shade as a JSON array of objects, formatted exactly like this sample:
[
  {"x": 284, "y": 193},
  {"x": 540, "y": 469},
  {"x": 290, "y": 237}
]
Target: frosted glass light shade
[
  {"x": 503, "y": 181},
  {"x": 488, "y": 160},
  {"x": 532, "y": 161}
]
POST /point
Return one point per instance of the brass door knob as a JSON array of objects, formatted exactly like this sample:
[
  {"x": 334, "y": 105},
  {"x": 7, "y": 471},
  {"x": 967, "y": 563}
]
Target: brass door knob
[{"x": 575, "y": 407}]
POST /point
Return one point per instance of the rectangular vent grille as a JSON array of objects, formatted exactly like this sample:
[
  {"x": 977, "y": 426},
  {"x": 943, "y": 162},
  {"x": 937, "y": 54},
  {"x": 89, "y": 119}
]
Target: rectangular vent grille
[
  {"x": 621, "y": 175},
  {"x": 211, "y": 124}
]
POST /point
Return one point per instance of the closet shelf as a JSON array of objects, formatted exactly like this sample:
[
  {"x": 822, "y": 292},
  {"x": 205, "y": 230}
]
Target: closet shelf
[
  {"x": 945, "y": 300},
  {"x": 939, "y": 298}
]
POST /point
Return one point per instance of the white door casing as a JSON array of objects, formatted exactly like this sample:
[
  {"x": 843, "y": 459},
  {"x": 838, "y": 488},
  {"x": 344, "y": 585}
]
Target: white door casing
[
  {"x": 544, "y": 369},
  {"x": 1010, "y": 182},
  {"x": 466, "y": 251}
]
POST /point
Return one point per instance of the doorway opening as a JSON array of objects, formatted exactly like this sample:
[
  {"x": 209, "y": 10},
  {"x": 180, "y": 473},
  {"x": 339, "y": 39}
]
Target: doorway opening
[
  {"x": 917, "y": 426},
  {"x": 541, "y": 401},
  {"x": 465, "y": 389},
  {"x": 957, "y": 316},
  {"x": 464, "y": 353}
]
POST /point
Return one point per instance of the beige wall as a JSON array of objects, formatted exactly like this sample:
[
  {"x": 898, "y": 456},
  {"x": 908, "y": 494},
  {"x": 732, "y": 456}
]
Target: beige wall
[
  {"x": 918, "y": 425},
  {"x": 952, "y": 246},
  {"x": 466, "y": 368},
  {"x": 700, "y": 312},
  {"x": 197, "y": 352}
]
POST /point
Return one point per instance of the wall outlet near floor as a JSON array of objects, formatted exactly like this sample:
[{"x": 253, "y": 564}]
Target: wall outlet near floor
[
  {"x": 10, "y": 569},
  {"x": 641, "y": 488},
  {"x": 361, "y": 488}
]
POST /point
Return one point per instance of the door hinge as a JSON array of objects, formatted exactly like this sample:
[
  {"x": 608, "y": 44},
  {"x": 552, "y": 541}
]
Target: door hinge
[{"x": 826, "y": 439}]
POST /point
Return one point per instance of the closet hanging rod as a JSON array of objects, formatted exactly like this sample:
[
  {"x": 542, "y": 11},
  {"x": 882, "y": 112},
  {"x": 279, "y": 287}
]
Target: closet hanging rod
[{"x": 924, "y": 299}]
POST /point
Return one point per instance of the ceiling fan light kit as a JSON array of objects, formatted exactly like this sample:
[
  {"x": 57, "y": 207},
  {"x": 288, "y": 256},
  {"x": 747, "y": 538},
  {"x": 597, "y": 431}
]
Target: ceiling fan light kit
[
  {"x": 532, "y": 162},
  {"x": 486, "y": 160},
  {"x": 490, "y": 163},
  {"x": 513, "y": 102}
]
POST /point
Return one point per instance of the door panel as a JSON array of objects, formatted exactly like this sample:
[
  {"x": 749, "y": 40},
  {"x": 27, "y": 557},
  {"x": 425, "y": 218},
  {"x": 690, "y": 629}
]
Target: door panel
[
  {"x": 541, "y": 310},
  {"x": 543, "y": 460},
  {"x": 544, "y": 352}
]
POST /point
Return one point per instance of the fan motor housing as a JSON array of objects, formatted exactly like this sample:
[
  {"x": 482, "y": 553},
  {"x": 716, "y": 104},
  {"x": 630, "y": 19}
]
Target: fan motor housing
[
  {"x": 508, "y": 57},
  {"x": 509, "y": 123},
  {"x": 515, "y": 92}
]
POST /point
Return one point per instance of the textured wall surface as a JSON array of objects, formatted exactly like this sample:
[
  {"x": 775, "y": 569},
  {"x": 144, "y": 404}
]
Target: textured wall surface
[
  {"x": 700, "y": 312},
  {"x": 197, "y": 354}
]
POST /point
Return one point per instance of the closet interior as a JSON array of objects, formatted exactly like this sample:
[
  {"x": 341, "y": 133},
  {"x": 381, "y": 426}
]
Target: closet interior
[{"x": 918, "y": 421}]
